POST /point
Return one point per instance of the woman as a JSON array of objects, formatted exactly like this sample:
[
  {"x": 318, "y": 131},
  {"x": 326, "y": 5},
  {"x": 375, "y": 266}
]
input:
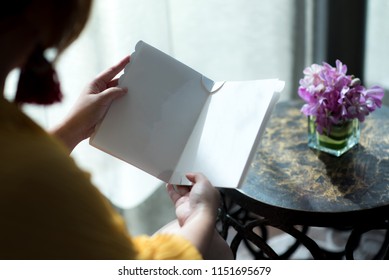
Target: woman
[{"x": 49, "y": 208}]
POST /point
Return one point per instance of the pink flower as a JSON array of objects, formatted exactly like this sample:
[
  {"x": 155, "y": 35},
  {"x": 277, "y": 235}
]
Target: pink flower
[{"x": 333, "y": 97}]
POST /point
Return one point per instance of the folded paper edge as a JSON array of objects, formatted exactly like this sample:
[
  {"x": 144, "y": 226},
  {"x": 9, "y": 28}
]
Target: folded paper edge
[
  {"x": 210, "y": 86},
  {"x": 280, "y": 85}
]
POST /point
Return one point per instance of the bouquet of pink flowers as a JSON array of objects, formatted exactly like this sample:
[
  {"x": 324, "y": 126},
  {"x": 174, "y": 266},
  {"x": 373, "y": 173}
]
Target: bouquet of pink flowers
[{"x": 333, "y": 97}]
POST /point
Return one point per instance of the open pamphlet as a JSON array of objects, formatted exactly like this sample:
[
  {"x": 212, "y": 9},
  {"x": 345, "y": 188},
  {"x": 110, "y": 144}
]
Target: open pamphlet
[{"x": 174, "y": 120}]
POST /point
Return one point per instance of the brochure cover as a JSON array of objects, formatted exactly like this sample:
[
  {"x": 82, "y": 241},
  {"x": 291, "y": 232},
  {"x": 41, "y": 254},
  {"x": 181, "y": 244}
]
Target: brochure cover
[{"x": 174, "y": 120}]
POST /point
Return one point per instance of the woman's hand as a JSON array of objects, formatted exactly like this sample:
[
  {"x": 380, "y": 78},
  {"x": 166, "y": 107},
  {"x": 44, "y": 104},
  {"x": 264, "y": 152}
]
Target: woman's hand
[
  {"x": 196, "y": 211},
  {"x": 91, "y": 106},
  {"x": 201, "y": 197}
]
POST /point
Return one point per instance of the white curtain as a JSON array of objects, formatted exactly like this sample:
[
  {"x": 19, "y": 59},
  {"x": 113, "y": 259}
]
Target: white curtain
[{"x": 223, "y": 39}]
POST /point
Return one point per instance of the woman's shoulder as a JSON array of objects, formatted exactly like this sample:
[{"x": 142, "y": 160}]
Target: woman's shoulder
[
  {"x": 29, "y": 152},
  {"x": 49, "y": 202}
]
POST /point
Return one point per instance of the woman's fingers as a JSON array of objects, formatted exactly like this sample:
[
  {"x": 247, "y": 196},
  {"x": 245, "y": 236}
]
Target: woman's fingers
[
  {"x": 107, "y": 75},
  {"x": 113, "y": 83}
]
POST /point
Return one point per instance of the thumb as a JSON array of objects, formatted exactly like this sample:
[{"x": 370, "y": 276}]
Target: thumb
[
  {"x": 110, "y": 94},
  {"x": 174, "y": 196}
]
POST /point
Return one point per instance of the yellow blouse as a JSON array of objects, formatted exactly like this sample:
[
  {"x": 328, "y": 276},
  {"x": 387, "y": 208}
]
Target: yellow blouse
[{"x": 50, "y": 210}]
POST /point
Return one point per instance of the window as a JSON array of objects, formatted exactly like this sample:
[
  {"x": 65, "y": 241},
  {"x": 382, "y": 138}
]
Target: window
[{"x": 377, "y": 42}]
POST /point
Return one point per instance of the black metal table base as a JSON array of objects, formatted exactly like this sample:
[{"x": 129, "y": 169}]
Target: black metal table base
[{"x": 252, "y": 231}]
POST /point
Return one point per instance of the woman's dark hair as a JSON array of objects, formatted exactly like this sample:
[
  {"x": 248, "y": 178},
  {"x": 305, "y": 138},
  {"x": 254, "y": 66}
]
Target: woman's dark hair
[
  {"x": 65, "y": 19},
  {"x": 68, "y": 18}
]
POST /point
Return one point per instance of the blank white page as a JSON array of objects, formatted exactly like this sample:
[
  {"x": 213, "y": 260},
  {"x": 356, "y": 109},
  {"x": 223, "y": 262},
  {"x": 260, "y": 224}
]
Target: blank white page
[
  {"x": 228, "y": 130},
  {"x": 150, "y": 126}
]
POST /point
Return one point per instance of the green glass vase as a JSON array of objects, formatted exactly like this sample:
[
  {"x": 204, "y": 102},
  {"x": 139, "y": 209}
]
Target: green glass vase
[{"x": 340, "y": 139}]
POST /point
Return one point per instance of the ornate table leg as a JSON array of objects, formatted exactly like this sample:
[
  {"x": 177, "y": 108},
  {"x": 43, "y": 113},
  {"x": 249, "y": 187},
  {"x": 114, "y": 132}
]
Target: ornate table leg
[
  {"x": 354, "y": 239},
  {"x": 252, "y": 230}
]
